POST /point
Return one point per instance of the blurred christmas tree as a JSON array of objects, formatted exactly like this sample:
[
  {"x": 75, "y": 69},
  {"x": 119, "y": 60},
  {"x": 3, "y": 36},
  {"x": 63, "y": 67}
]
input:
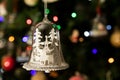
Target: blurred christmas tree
[{"x": 95, "y": 57}]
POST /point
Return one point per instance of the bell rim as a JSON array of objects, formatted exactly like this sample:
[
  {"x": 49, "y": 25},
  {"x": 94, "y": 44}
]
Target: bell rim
[{"x": 31, "y": 66}]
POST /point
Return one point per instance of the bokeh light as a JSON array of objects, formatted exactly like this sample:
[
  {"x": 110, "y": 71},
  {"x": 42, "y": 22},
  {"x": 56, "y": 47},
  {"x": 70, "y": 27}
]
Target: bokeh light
[
  {"x": 58, "y": 27},
  {"x": 111, "y": 60},
  {"x": 1, "y": 19},
  {"x": 53, "y": 74},
  {"x": 108, "y": 27},
  {"x": 32, "y": 72},
  {"x": 81, "y": 39},
  {"x": 1, "y": 70},
  {"x": 7, "y": 63},
  {"x": 28, "y": 48},
  {"x": 74, "y": 15},
  {"x": 29, "y": 21},
  {"x": 25, "y": 39},
  {"x": 47, "y": 11},
  {"x": 94, "y": 51},
  {"x": 11, "y": 38},
  {"x": 55, "y": 18},
  {"x": 74, "y": 36},
  {"x": 86, "y": 34}
]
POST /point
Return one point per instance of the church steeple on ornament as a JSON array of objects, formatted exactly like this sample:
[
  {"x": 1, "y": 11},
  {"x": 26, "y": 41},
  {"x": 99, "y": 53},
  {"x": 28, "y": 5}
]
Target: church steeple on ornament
[{"x": 46, "y": 54}]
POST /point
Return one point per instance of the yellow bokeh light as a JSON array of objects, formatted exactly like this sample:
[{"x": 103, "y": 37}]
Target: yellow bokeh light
[
  {"x": 11, "y": 38},
  {"x": 111, "y": 60},
  {"x": 81, "y": 39}
]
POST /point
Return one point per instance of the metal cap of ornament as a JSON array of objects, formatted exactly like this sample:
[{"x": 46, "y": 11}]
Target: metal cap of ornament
[{"x": 46, "y": 54}]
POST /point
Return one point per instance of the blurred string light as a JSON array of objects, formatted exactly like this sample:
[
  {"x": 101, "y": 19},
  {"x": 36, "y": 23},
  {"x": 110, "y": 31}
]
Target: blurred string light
[
  {"x": 33, "y": 72},
  {"x": 74, "y": 36},
  {"x": 86, "y": 34},
  {"x": 47, "y": 11},
  {"x": 11, "y": 38},
  {"x": 39, "y": 76},
  {"x": 55, "y": 18},
  {"x": 25, "y": 39},
  {"x": 53, "y": 74},
  {"x": 94, "y": 51},
  {"x": 111, "y": 60},
  {"x": 81, "y": 39},
  {"x": 7, "y": 63},
  {"x": 115, "y": 37},
  {"x": 58, "y": 27},
  {"x": 74, "y": 15},
  {"x": 1, "y": 70},
  {"x": 28, "y": 21},
  {"x": 1, "y": 19},
  {"x": 28, "y": 48},
  {"x": 108, "y": 27}
]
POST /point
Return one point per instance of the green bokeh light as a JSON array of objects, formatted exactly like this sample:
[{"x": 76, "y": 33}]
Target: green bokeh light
[
  {"x": 47, "y": 11},
  {"x": 74, "y": 15},
  {"x": 54, "y": 25},
  {"x": 58, "y": 27}
]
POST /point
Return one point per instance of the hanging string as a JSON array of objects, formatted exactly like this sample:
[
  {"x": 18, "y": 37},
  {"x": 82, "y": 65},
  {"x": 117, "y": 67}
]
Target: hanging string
[
  {"x": 45, "y": 9},
  {"x": 98, "y": 8}
]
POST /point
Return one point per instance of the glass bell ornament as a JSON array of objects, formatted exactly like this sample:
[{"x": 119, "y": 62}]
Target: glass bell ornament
[
  {"x": 99, "y": 27},
  {"x": 99, "y": 23},
  {"x": 46, "y": 54}
]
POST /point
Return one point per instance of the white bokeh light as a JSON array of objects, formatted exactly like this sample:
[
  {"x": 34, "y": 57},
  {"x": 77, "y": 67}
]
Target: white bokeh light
[{"x": 86, "y": 34}]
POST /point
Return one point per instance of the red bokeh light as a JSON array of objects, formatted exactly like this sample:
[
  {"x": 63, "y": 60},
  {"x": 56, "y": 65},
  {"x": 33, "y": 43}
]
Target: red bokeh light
[
  {"x": 55, "y": 18},
  {"x": 29, "y": 21}
]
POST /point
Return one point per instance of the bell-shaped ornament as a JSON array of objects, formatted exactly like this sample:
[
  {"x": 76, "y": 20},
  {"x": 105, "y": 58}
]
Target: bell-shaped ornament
[
  {"x": 46, "y": 54},
  {"x": 99, "y": 27}
]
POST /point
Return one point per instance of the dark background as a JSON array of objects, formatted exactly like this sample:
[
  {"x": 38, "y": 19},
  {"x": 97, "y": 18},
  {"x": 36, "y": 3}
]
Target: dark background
[{"x": 78, "y": 55}]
